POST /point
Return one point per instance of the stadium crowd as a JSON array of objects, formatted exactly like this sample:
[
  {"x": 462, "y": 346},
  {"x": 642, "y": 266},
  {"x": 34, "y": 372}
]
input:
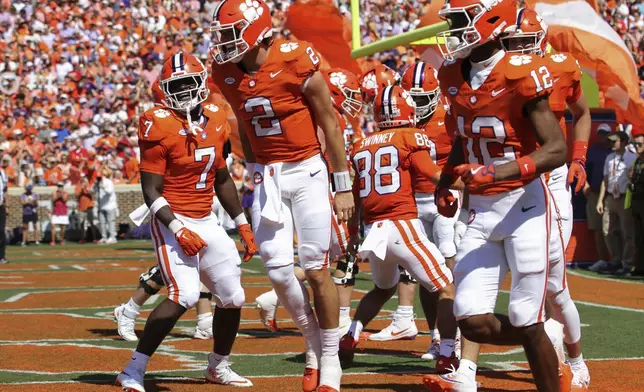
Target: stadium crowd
[{"x": 74, "y": 75}]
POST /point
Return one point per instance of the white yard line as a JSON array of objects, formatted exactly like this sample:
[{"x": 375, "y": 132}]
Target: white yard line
[
  {"x": 607, "y": 278},
  {"x": 54, "y": 266},
  {"x": 596, "y": 305},
  {"x": 11, "y": 277},
  {"x": 16, "y": 297},
  {"x": 79, "y": 267}
]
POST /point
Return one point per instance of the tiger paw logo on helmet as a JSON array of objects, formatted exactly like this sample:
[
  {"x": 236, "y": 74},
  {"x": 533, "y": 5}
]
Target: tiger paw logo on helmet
[
  {"x": 558, "y": 57},
  {"x": 251, "y": 10},
  {"x": 520, "y": 59},
  {"x": 288, "y": 47},
  {"x": 338, "y": 79},
  {"x": 369, "y": 81}
]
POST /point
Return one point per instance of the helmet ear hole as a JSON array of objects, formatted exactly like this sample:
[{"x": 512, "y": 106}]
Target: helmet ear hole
[{"x": 493, "y": 19}]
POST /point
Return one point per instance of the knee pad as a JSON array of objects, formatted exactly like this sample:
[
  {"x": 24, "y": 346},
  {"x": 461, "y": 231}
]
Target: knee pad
[
  {"x": 280, "y": 276},
  {"x": 313, "y": 256},
  {"x": 523, "y": 314},
  {"x": 153, "y": 274},
  {"x": 229, "y": 293},
  {"x": 187, "y": 299},
  {"x": 350, "y": 268},
  {"x": 405, "y": 277},
  {"x": 447, "y": 248}
]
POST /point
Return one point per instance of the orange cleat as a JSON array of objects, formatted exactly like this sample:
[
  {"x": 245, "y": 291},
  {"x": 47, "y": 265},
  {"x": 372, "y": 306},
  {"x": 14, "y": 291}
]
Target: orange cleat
[
  {"x": 326, "y": 388},
  {"x": 347, "y": 350},
  {"x": 446, "y": 365},
  {"x": 453, "y": 381},
  {"x": 310, "y": 380},
  {"x": 565, "y": 377}
]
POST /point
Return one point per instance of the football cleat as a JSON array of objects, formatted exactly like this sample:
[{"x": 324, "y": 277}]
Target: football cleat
[
  {"x": 453, "y": 381},
  {"x": 225, "y": 375},
  {"x": 310, "y": 380},
  {"x": 267, "y": 311},
  {"x": 433, "y": 351},
  {"x": 125, "y": 323},
  {"x": 580, "y": 377},
  {"x": 204, "y": 334},
  {"x": 326, "y": 388},
  {"x": 400, "y": 328},
  {"x": 446, "y": 364},
  {"x": 130, "y": 383},
  {"x": 347, "y": 350}
]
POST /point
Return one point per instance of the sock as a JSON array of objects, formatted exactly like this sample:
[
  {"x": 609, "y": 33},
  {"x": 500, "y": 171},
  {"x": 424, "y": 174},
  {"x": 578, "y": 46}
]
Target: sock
[
  {"x": 435, "y": 334},
  {"x": 467, "y": 368},
  {"x": 345, "y": 311},
  {"x": 204, "y": 320},
  {"x": 330, "y": 369},
  {"x": 216, "y": 361},
  {"x": 312, "y": 338},
  {"x": 406, "y": 312},
  {"x": 576, "y": 361},
  {"x": 131, "y": 309},
  {"x": 447, "y": 347},
  {"x": 355, "y": 329},
  {"x": 138, "y": 362},
  {"x": 330, "y": 341},
  {"x": 133, "y": 305}
]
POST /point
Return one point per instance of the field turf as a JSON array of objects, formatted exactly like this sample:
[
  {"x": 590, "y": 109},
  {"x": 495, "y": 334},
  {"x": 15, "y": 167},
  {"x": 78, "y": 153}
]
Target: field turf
[{"x": 57, "y": 331}]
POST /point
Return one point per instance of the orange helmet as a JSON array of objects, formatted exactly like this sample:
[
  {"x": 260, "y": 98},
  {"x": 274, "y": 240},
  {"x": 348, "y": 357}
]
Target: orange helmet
[
  {"x": 529, "y": 35},
  {"x": 394, "y": 107},
  {"x": 237, "y": 27},
  {"x": 473, "y": 23},
  {"x": 157, "y": 94},
  {"x": 376, "y": 79},
  {"x": 183, "y": 82},
  {"x": 420, "y": 80},
  {"x": 345, "y": 90}
]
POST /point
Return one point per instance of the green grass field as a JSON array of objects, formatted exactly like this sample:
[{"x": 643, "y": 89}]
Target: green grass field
[{"x": 58, "y": 331}]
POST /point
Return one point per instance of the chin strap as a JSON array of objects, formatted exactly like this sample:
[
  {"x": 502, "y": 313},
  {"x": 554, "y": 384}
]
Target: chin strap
[{"x": 194, "y": 128}]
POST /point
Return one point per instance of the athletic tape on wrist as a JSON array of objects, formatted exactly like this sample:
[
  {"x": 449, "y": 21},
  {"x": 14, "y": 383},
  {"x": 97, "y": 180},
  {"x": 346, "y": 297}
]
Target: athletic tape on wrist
[
  {"x": 240, "y": 220},
  {"x": 342, "y": 181},
  {"x": 158, "y": 204}
]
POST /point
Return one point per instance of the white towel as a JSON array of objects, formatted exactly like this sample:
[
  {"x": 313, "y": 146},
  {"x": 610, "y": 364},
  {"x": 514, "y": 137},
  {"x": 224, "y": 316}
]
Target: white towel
[
  {"x": 376, "y": 240},
  {"x": 138, "y": 216},
  {"x": 270, "y": 192}
]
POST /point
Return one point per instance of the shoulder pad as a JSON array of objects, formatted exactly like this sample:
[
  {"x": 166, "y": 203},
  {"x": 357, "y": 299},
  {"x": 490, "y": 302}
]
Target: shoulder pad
[{"x": 519, "y": 66}]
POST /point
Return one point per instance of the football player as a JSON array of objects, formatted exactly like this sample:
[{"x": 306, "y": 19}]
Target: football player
[
  {"x": 529, "y": 35},
  {"x": 385, "y": 163},
  {"x": 507, "y": 137},
  {"x": 280, "y": 98},
  {"x": 420, "y": 80},
  {"x": 347, "y": 101},
  {"x": 376, "y": 79},
  {"x": 181, "y": 162}
]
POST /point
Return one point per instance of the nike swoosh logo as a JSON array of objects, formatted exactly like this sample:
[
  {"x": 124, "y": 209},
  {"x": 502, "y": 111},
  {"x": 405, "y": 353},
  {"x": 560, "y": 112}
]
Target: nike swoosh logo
[
  {"x": 495, "y": 93},
  {"x": 440, "y": 123},
  {"x": 477, "y": 170},
  {"x": 556, "y": 80},
  {"x": 274, "y": 74},
  {"x": 219, "y": 128},
  {"x": 400, "y": 332},
  {"x": 523, "y": 209},
  {"x": 314, "y": 173}
]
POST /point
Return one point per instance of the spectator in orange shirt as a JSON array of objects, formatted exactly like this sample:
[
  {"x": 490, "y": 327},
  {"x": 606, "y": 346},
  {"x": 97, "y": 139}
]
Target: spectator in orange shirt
[
  {"x": 85, "y": 197},
  {"x": 132, "y": 173},
  {"x": 106, "y": 141},
  {"x": 52, "y": 172}
]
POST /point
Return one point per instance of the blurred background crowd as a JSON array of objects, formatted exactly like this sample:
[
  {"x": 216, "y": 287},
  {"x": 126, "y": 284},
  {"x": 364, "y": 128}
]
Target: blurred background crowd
[{"x": 75, "y": 75}]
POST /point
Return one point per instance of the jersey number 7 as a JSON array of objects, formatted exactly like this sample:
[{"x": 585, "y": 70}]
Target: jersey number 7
[{"x": 200, "y": 154}]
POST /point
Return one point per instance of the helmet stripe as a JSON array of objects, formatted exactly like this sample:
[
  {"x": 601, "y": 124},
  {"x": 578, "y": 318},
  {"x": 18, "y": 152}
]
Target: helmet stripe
[
  {"x": 389, "y": 92},
  {"x": 384, "y": 103},
  {"x": 182, "y": 65},
  {"x": 520, "y": 16},
  {"x": 418, "y": 74}
]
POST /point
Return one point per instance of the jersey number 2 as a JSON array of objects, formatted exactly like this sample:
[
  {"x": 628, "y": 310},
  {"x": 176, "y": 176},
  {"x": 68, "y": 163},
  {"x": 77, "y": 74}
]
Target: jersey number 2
[
  {"x": 266, "y": 123},
  {"x": 200, "y": 153}
]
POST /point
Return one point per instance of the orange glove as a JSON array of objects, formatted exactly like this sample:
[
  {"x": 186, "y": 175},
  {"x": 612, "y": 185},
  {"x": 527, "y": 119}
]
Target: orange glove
[
  {"x": 446, "y": 203},
  {"x": 578, "y": 171},
  {"x": 248, "y": 240},
  {"x": 189, "y": 241},
  {"x": 474, "y": 175}
]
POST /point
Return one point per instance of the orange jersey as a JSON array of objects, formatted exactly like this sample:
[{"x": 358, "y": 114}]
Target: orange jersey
[
  {"x": 566, "y": 77},
  {"x": 270, "y": 103},
  {"x": 440, "y": 146},
  {"x": 490, "y": 120},
  {"x": 186, "y": 162},
  {"x": 384, "y": 163}
]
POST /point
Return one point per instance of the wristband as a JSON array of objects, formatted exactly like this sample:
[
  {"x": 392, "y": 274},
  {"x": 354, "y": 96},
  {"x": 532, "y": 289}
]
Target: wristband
[
  {"x": 342, "y": 181},
  {"x": 158, "y": 204},
  {"x": 175, "y": 226},
  {"x": 579, "y": 149},
  {"x": 240, "y": 220},
  {"x": 527, "y": 167}
]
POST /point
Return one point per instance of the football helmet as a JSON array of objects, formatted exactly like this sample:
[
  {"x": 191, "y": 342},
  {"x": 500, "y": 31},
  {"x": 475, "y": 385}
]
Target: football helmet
[
  {"x": 345, "y": 90},
  {"x": 394, "y": 107},
  {"x": 376, "y": 79},
  {"x": 237, "y": 27},
  {"x": 157, "y": 94},
  {"x": 473, "y": 23},
  {"x": 421, "y": 81},
  {"x": 528, "y": 36},
  {"x": 183, "y": 82}
]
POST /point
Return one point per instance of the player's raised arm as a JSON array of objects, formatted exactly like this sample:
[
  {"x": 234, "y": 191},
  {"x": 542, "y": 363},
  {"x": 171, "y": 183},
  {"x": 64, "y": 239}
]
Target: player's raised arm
[{"x": 317, "y": 95}]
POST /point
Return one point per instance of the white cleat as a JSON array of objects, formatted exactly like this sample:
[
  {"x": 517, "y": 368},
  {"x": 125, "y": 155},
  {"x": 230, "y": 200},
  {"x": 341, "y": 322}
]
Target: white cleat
[
  {"x": 125, "y": 323},
  {"x": 267, "y": 305},
  {"x": 554, "y": 330},
  {"x": 400, "y": 328},
  {"x": 111, "y": 241},
  {"x": 225, "y": 375},
  {"x": 433, "y": 351},
  {"x": 130, "y": 383},
  {"x": 580, "y": 377},
  {"x": 204, "y": 334}
]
